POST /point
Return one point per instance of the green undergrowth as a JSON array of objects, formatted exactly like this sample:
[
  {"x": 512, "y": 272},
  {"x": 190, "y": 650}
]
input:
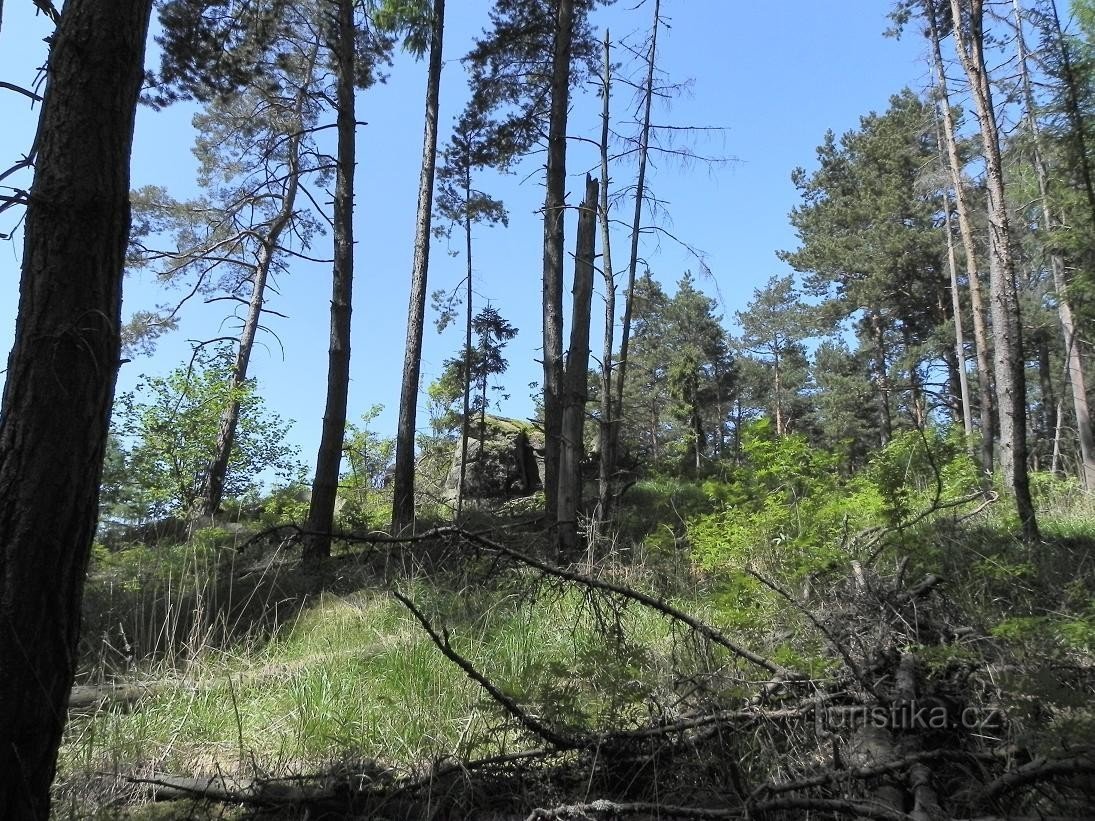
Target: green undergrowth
[
  {"x": 255, "y": 666},
  {"x": 352, "y": 676}
]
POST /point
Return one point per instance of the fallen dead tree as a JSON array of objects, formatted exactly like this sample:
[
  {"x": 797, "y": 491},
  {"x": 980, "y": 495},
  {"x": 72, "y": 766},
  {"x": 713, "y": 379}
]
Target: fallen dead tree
[{"x": 885, "y": 736}]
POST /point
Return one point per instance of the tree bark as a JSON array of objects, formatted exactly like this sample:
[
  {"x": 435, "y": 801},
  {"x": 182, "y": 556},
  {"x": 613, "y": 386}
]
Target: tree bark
[
  {"x": 554, "y": 220},
  {"x": 60, "y": 380},
  {"x": 321, "y": 510},
  {"x": 576, "y": 377},
  {"x": 969, "y": 246},
  {"x": 1074, "y": 366},
  {"x": 885, "y": 419},
  {"x": 403, "y": 480},
  {"x": 1007, "y": 334},
  {"x": 959, "y": 334}
]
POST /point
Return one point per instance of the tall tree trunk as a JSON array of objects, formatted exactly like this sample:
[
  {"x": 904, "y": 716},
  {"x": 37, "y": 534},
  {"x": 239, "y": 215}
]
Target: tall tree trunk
[
  {"x": 1007, "y": 332},
  {"x": 636, "y": 226},
  {"x": 554, "y": 214},
  {"x": 969, "y": 246},
  {"x": 1048, "y": 405},
  {"x": 1074, "y": 366},
  {"x": 321, "y": 511},
  {"x": 959, "y": 334},
  {"x": 777, "y": 392},
  {"x": 609, "y": 411},
  {"x": 465, "y": 425},
  {"x": 403, "y": 480},
  {"x": 576, "y": 377},
  {"x": 882, "y": 378},
  {"x": 213, "y": 482},
  {"x": 60, "y": 380}
]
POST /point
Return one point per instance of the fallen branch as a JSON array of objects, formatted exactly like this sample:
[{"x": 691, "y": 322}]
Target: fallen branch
[
  {"x": 1040, "y": 769},
  {"x": 523, "y": 718}
]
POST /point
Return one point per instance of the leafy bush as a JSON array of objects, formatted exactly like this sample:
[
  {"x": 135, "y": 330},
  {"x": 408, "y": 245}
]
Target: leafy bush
[
  {"x": 172, "y": 435},
  {"x": 917, "y": 466},
  {"x": 787, "y": 511}
]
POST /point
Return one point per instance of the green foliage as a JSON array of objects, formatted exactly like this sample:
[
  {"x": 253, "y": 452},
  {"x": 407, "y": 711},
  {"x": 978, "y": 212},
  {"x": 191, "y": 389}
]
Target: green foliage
[
  {"x": 171, "y": 425},
  {"x": 680, "y": 377},
  {"x": 786, "y": 511},
  {"x": 371, "y": 459},
  {"x": 918, "y": 467}
]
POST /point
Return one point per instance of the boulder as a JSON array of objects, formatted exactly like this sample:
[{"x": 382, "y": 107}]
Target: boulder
[{"x": 502, "y": 462}]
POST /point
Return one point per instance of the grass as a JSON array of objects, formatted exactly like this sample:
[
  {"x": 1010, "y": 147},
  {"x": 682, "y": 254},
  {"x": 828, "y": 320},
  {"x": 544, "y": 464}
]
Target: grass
[
  {"x": 351, "y": 676},
  {"x": 257, "y": 668}
]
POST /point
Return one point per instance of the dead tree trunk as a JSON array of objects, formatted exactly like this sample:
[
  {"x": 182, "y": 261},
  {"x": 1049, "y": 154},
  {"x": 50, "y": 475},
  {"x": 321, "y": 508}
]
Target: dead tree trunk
[
  {"x": 465, "y": 424},
  {"x": 321, "y": 510},
  {"x": 965, "y": 229},
  {"x": 403, "y": 480},
  {"x": 959, "y": 334},
  {"x": 1074, "y": 366},
  {"x": 60, "y": 380},
  {"x": 1007, "y": 333},
  {"x": 609, "y": 411},
  {"x": 636, "y": 226},
  {"x": 576, "y": 377},
  {"x": 554, "y": 212}
]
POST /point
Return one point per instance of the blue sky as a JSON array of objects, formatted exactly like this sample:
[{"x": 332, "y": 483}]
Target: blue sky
[{"x": 774, "y": 76}]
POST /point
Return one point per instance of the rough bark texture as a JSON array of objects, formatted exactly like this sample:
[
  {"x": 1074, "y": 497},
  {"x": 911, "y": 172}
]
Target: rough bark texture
[
  {"x": 321, "y": 511},
  {"x": 1074, "y": 366},
  {"x": 554, "y": 212},
  {"x": 60, "y": 380},
  {"x": 1008, "y": 347},
  {"x": 576, "y": 377},
  {"x": 403, "y": 481},
  {"x": 965, "y": 229}
]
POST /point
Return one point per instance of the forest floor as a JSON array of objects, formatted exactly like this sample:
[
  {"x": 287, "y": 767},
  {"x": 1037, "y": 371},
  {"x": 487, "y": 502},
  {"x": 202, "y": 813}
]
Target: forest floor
[{"x": 939, "y": 670}]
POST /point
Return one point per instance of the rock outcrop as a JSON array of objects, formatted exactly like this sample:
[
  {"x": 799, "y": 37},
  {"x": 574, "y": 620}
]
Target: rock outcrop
[{"x": 502, "y": 461}]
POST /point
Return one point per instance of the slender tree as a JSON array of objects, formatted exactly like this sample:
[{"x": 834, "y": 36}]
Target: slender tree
[
  {"x": 60, "y": 379},
  {"x": 321, "y": 509},
  {"x": 291, "y": 129},
  {"x": 554, "y": 218},
  {"x": 576, "y": 374},
  {"x": 968, "y": 21},
  {"x": 607, "y": 441},
  {"x": 969, "y": 245},
  {"x": 403, "y": 480},
  {"x": 647, "y": 104}
]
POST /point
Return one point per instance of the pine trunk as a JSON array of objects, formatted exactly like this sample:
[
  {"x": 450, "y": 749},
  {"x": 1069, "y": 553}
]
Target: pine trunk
[
  {"x": 609, "y": 411},
  {"x": 1007, "y": 336},
  {"x": 554, "y": 219},
  {"x": 403, "y": 480},
  {"x": 959, "y": 333},
  {"x": 576, "y": 377},
  {"x": 321, "y": 510},
  {"x": 60, "y": 380},
  {"x": 965, "y": 229}
]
